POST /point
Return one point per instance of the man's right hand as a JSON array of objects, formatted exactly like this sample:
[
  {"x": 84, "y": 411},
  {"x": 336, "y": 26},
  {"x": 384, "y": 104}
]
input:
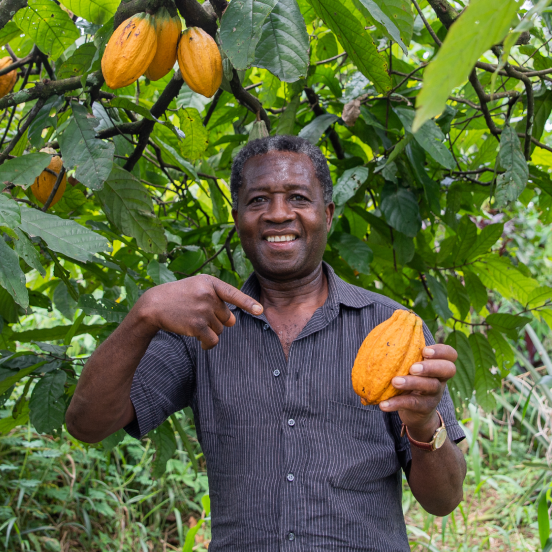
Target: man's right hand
[{"x": 194, "y": 307}]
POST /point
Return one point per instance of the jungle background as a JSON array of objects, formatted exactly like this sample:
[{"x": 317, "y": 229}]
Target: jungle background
[{"x": 434, "y": 117}]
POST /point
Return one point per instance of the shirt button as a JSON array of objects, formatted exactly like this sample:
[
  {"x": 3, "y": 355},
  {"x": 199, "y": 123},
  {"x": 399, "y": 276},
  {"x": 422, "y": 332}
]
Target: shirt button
[
  {"x": 276, "y": 373},
  {"x": 266, "y": 326},
  {"x": 290, "y": 477},
  {"x": 291, "y": 423},
  {"x": 291, "y": 536}
]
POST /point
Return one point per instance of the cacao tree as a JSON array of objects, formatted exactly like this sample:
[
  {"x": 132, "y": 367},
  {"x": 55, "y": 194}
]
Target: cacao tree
[{"x": 433, "y": 116}]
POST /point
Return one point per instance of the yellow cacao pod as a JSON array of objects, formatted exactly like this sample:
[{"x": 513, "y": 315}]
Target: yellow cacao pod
[
  {"x": 168, "y": 31},
  {"x": 45, "y": 181},
  {"x": 200, "y": 61},
  {"x": 7, "y": 81},
  {"x": 388, "y": 351},
  {"x": 129, "y": 51}
]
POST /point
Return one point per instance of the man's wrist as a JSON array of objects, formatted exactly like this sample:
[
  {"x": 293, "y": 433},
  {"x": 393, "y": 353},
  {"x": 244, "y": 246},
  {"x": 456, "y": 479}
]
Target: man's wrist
[{"x": 425, "y": 433}]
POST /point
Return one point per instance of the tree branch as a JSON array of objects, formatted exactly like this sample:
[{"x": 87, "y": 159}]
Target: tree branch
[
  {"x": 444, "y": 11},
  {"x": 247, "y": 99},
  {"x": 426, "y": 23},
  {"x": 8, "y": 9},
  {"x": 219, "y": 6},
  {"x": 197, "y": 16}
]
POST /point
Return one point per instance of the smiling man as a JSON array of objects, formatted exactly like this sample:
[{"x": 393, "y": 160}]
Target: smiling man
[{"x": 294, "y": 461}]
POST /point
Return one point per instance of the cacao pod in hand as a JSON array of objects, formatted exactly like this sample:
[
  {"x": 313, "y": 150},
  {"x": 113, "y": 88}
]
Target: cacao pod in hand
[
  {"x": 200, "y": 61},
  {"x": 7, "y": 81},
  {"x": 168, "y": 32},
  {"x": 130, "y": 51},
  {"x": 388, "y": 351},
  {"x": 44, "y": 183}
]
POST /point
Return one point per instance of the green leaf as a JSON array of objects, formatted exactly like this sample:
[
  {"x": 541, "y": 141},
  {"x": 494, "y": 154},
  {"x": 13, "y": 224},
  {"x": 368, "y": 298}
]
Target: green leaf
[
  {"x": 476, "y": 290},
  {"x": 188, "y": 262},
  {"x": 241, "y": 27},
  {"x": 509, "y": 324},
  {"x": 485, "y": 240},
  {"x": 6, "y": 383},
  {"x": 57, "y": 332},
  {"x": 48, "y": 26},
  {"x": 542, "y": 110},
  {"x": 485, "y": 380},
  {"x": 458, "y": 296},
  {"x": 170, "y": 144},
  {"x": 481, "y": 25},
  {"x": 92, "y": 158},
  {"x": 65, "y": 301},
  {"x": 348, "y": 184},
  {"x": 464, "y": 380},
  {"x": 197, "y": 137},
  {"x": 128, "y": 206},
  {"x": 429, "y": 136},
  {"x": 25, "y": 249},
  {"x": 47, "y": 405},
  {"x": 23, "y": 170},
  {"x": 186, "y": 442},
  {"x": 109, "y": 443},
  {"x": 159, "y": 273},
  {"x": 543, "y": 518},
  {"x": 11, "y": 276},
  {"x": 283, "y": 48},
  {"x": 440, "y": 300},
  {"x": 510, "y": 184},
  {"x": 314, "y": 130},
  {"x": 539, "y": 296},
  {"x": 10, "y": 214},
  {"x": 95, "y": 11},
  {"x": 62, "y": 235},
  {"x": 466, "y": 238},
  {"x": 348, "y": 24},
  {"x": 106, "y": 308},
  {"x": 503, "y": 351},
  {"x": 165, "y": 445},
  {"x": 78, "y": 63},
  {"x": 9, "y": 31},
  {"x": 401, "y": 210},
  {"x": 356, "y": 253},
  {"x": 286, "y": 122}
]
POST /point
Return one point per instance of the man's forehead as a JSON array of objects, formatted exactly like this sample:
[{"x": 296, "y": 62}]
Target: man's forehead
[{"x": 275, "y": 165}]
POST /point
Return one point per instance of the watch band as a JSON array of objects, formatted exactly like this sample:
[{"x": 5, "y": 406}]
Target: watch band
[{"x": 424, "y": 446}]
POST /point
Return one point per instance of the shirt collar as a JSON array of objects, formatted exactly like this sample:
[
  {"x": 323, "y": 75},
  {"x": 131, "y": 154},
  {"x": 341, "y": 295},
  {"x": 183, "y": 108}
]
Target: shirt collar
[{"x": 339, "y": 291}]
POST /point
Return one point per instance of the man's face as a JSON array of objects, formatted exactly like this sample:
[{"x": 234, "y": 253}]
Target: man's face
[{"x": 281, "y": 218}]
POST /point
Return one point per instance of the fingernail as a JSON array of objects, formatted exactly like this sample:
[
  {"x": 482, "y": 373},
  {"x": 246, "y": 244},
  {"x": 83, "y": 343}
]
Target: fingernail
[
  {"x": 417, "y": 369},
  {"x": 428, "y": 352},
  {"x": 257, "y": 309},
  {"x": 384, "y": 404},
  {"x": 399, "y": 381}
]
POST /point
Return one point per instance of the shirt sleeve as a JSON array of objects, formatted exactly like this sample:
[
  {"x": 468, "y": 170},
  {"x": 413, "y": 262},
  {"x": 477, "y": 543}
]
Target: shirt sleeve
[{"x": 163, "y": 384}]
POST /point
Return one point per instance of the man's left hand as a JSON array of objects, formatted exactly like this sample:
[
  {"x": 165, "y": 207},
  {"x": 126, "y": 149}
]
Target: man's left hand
[{"x": 423, "y": 390}]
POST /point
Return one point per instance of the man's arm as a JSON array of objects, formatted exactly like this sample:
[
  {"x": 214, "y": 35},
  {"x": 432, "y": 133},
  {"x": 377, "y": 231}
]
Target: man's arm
[
  {"x": 194, "y": 307},
  {"x": 435, "y": 478}
]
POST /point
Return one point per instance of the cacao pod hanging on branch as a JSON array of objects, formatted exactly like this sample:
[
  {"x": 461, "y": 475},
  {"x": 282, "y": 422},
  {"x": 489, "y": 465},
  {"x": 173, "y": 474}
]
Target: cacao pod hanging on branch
[
  {"x": 388, "y": 351},
  {"x": 7, "y": 81},
  {"x": 44, "y": 183},
  {"x": 200, "y": 61},
  {"x": 130, "y": 51},
  {"x": 168, "y": 31}
]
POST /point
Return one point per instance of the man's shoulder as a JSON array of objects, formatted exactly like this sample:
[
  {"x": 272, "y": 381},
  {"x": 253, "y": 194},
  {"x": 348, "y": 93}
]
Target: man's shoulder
[{"x": 355, "y": 296}]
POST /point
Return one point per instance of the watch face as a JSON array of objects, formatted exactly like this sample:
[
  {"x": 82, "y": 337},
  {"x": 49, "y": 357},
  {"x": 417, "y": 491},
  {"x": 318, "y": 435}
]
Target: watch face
[{"x": 440, "y": 438}]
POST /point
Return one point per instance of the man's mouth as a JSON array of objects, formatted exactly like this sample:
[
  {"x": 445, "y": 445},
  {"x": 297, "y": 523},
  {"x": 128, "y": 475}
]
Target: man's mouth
[{"x": 285, "y": 238}]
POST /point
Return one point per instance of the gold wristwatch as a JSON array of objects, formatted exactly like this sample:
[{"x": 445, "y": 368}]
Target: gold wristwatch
[{"x": 437, "y": 441}]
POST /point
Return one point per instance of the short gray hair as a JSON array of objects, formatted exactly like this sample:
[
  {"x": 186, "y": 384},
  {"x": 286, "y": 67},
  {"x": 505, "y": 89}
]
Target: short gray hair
[{"x": 282, "y": 142}]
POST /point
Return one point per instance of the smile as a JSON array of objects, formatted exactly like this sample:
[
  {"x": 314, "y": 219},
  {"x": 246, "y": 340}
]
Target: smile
[{"x": 286, "y": 238}]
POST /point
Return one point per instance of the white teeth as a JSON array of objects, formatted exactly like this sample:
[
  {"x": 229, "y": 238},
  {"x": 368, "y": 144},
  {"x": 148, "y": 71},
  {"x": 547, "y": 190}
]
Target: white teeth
[{"x": 287, "y": 238}]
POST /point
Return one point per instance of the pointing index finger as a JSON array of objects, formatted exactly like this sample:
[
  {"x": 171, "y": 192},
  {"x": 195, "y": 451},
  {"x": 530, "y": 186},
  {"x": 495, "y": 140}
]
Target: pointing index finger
[{"x": 234, "y": 296}]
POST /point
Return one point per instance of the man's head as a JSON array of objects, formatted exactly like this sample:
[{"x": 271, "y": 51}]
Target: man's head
[{"x": 282, "y": 195}]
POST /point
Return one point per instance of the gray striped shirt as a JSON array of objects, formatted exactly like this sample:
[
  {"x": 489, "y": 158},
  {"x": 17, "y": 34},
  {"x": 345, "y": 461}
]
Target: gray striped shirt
[{"x": 295, "y": 462}]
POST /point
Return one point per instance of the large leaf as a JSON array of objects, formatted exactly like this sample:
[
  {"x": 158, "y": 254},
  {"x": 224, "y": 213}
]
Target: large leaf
[
  {"x": 10, "y": 214},
  {"x": 159, "y": 272},
  {"x": 165, "y": 445},
  {"x": 47, "y": 404},
  {"x": 458, "y": 296},
  {"x": 314, "y": 130},
  {"x": 463, "y": 382},
  {"x": 466, "y": 238},
  {"x": 79, "y": 61},
  {"x": 25, "y": 249},
  {"x": 542, "y": 109},
  {"x": 348, "y": 24},
  {"x": 11, "y": 276},
  {"x": 507, "y": 323},
  {"x": 197, "y": 137},
  {"x": 128, "y": 206},
  {"x": 48, "y": 26},
  {"x": 356, "y": 253},
  {"x": 92, "y": 158},
  {"x": 440, "y": 299},
  {"x": 504, "y": 354},
  {"x": 400, "y": 208},
  {"x": 481, "y": 25},
  {"x": 476, "y": 290},
  {"x": 95, "y": 11},
  {"x": 286, "y": 122},
  {"x": 9, "y": 31},
  {"x": 510, "y": 184},
  {"x": 348, "y": 183},
  {"x": 23, "y": 170},
  {"x": 241, "y": 28},
  {"x": 283, "y": 48},
  {"x": 106, "y": 308},
  {"x": 486, "y": 377},
  {"x": 62, "y": 235},
  {"x": 485, "y": 240}
]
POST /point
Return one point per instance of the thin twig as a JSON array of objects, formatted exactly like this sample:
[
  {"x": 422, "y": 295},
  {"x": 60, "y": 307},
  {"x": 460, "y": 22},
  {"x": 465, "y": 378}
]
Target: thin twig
[
  {"x": 426, "y": 23},
  {"x": 54, "y": 189}
]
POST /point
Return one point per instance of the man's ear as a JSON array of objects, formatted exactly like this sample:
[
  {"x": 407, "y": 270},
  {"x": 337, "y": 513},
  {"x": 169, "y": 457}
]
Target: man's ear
[
  {"x": 330, "y": 210},
  {"x": 235, "y": 217}
]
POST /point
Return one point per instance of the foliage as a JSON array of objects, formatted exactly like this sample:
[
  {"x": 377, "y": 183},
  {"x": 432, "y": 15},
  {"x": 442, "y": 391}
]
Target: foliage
[{"x": 446, "y": 215}]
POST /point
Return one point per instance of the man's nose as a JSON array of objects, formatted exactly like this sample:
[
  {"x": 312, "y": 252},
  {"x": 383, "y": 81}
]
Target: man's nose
[{"x": 279, "y": 210}]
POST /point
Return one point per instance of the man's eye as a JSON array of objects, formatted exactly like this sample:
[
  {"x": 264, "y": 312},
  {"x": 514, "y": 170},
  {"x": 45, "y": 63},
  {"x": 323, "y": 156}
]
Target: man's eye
[
  {"x": 258, "y": 199},
  {"x": 298, "y": 197}
]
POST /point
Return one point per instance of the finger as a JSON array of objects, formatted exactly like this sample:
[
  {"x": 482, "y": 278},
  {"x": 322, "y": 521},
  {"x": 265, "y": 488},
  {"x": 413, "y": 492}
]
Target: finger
[
  {"x": 421, "y": 404},
  {"x": 234, "y": 296},
  {"x": 224, "y": 314},
  {"x": 445, "y": 352},
  {"x": 424, "y": 386},
  {"x": 207, "y": 337},
  {"x": 216, "y": 325},
  {"x": 440, "y": 369}
]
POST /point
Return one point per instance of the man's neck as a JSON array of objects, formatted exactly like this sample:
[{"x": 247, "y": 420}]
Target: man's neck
[{"x": 309, "y": 290}]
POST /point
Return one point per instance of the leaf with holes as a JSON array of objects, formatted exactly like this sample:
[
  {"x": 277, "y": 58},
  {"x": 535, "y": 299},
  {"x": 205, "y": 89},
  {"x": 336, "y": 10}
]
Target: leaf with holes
[
  {"x": 106, "y": 308},
  {"x": 197, "y": 136},
  {"x": 78, "y": 63},
  {"x": 510, "y": 184},
  {"x": 348, "y": 184}
]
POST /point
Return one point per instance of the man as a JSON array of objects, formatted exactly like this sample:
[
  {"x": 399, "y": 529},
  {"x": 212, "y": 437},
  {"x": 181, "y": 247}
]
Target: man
[{"x": 294, "y": 461}]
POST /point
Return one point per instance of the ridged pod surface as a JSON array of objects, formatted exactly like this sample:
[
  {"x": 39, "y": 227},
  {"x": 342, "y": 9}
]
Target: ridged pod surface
[
  {"x": 45, "y": 181},
  {"x": 130, "y": 51},
  {"x": 7, "y": 81},
  {"x": 200, "y": 61},
  {"x": 168, "y": 32},
  {"x": 389, "y": 350}
]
